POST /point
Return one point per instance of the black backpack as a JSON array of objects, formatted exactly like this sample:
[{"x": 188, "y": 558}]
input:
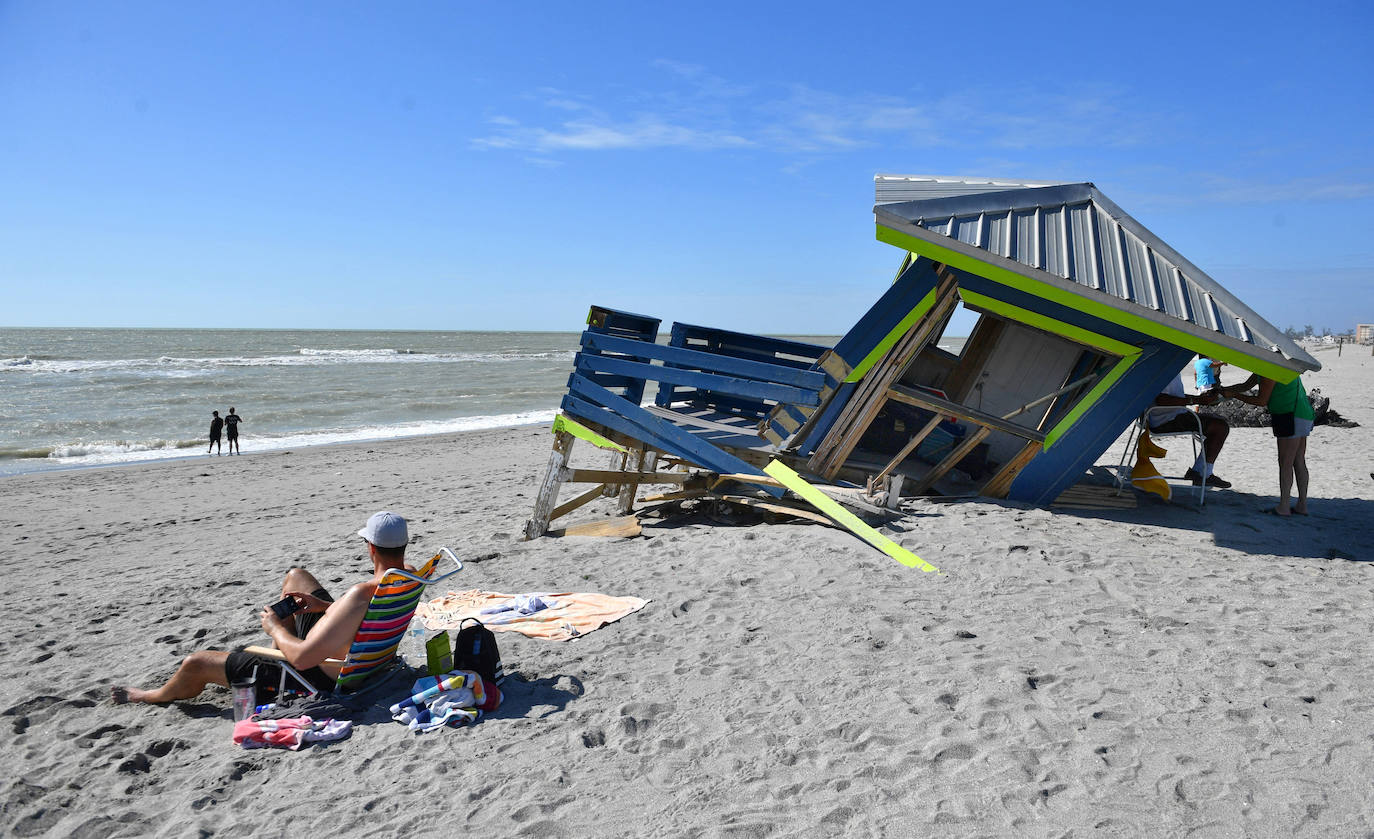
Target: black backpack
[{"x": 474, "y": 648}]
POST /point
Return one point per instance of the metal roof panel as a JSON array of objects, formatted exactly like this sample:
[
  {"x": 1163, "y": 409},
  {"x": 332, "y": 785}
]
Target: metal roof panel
[{"x": 1073, "y": 231}]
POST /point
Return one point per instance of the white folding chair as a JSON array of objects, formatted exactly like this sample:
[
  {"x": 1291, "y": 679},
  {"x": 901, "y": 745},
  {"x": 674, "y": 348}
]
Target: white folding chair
[{"x": 1123, "y": 469}]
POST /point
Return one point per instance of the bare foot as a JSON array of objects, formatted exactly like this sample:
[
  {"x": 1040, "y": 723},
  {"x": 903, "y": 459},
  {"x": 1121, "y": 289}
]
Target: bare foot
[{"x": 123, "y": 695}]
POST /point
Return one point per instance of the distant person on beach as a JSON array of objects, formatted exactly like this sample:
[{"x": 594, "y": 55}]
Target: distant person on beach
[
  {"x": 215, "y": 425},
  {"x": 1208, "y": 373},
  {"x": 1291, "y": 416},
  {"x": 323, "y": 628},
  {"x": 1215, "y": 429},
  {"x": 231, "y": 430}
]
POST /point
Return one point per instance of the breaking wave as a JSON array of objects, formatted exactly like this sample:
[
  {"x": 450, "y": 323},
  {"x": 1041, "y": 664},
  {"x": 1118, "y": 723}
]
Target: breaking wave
[
  {"x": 306, "y": 357},
  {"x": 106, "y": 453}
]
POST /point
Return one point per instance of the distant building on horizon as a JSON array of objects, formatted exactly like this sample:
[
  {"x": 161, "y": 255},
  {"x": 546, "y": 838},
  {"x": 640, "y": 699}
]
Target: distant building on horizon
[{"x": 1364, "y": 333}]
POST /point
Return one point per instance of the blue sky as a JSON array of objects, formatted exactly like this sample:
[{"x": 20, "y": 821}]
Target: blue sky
[{"x": 504, "y": 166}]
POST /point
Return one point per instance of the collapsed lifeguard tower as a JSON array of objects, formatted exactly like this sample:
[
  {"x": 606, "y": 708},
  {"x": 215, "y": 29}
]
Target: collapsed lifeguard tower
[{"x": 1084, "y": 316}]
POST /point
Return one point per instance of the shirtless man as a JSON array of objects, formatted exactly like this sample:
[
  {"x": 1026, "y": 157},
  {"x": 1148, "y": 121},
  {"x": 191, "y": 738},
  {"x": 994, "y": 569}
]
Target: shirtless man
[{"x": 323, "y": 628}]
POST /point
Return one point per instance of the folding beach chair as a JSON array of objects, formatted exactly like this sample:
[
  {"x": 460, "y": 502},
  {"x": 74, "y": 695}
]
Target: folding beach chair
[
  {"x": 1123, "y": 470},
  {"x": 374, "y": 647}
]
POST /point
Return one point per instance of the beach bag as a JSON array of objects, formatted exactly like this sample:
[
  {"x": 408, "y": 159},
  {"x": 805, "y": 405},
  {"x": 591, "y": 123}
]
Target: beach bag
[{"x": 474, "y": 648}]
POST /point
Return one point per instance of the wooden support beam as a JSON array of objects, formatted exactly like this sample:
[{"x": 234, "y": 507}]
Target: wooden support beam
[
  {"x": 868, "y": 399},
  {"x": 914, "y": 397},
  {"x": 761, "y": 480},
  {"x": 568, "y": 506},
  {"x": 678, "y": 495},
  {"x": 951, "y": 460},
  {"x": 1001, "y": 482},
  {"x": 909, "y": 447},
  {"x": 547, "y": 497},
  {"x": 589, "y": 476}
]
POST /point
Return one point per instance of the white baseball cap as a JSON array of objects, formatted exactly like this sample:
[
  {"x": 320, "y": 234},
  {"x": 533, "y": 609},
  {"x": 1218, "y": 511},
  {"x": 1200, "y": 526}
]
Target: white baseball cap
[{"x": 386, "y": 530}]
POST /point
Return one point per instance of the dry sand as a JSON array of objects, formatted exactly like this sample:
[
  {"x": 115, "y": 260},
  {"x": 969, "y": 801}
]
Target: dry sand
[{"x": 1166, "y": 670}]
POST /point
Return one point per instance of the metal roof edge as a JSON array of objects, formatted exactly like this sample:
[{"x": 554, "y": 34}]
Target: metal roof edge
[
  {"x": 1232, "y": 302},
  {"x": 1298, "y": 363},
  {"x": 978, "y": 202}
]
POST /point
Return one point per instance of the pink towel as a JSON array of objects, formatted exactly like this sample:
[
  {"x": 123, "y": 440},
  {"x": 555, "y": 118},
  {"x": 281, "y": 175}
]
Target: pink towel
[
  {"x": 290, "y": 733},
  {"x": 570, "y": 615}
]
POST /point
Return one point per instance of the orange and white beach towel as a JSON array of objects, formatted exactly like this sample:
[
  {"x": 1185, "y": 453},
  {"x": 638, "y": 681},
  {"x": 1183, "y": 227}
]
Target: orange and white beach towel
[{"x": 553, "y": 617}]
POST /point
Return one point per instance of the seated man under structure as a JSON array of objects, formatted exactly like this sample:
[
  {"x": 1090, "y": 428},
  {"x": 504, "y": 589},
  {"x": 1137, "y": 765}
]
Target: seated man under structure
[
  {"x": 323, "y": 628},
  {"x": 1215, "y": 428}
]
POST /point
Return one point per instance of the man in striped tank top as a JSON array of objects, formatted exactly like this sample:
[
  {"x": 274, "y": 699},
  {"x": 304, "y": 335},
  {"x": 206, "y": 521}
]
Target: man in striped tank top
[{"x": 320, "y": 628}]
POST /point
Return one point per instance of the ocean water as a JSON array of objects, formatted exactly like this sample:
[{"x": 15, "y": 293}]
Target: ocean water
[{"x": 94, "y": 397}]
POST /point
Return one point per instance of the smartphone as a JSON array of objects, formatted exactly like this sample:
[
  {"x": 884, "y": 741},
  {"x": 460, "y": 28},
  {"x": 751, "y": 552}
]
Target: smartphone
[{"x": 286, "y": 607}]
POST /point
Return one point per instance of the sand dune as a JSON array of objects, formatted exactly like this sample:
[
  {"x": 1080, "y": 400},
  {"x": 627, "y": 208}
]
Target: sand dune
[{"x": 1166, "y": 670}]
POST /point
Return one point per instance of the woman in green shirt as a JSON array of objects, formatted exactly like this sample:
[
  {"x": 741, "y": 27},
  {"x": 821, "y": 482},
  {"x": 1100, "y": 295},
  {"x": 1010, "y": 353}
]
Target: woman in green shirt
[{"x": 1291, "y": 417}]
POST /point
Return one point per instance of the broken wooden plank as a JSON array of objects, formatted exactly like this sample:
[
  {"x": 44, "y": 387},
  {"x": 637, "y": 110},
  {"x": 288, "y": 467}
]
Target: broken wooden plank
[
  {"x": 780, "y": 507},
  {"x": 951, "y": 460},
  {"x": 678, "y": 495},
  {"x": 622, "y": 528},
  {"x": 1000, "y": 483}
]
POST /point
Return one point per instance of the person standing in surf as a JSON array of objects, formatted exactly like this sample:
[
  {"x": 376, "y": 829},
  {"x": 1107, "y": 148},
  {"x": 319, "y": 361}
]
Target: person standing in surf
[
  {"x": 231, "y": 430},
  {"x": 215, "y": 425}
]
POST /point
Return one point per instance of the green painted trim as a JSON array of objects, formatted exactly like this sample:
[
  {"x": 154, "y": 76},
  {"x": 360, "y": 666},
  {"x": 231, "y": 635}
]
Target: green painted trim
[
  {"x": 862, "y": 368},
  {"x": 843, "y": 517},
  {"x": 563, "y": 422},
  {"x": 1102, "y": 386},
  {"x": 1168, "y": 334},
  {"x": 1074, "y": 333}
]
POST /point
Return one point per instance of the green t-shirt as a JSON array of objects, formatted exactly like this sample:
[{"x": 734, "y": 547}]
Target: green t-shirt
[{"x": 1291, "y": 399}]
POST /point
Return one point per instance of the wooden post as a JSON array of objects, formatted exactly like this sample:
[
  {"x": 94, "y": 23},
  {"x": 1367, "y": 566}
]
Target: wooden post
[
  {"x": 547, "y": 498},
  {"x": 619, "y": 460},
  {"x": 894, "y": 491},
  {"x": 643, "y": 462}
]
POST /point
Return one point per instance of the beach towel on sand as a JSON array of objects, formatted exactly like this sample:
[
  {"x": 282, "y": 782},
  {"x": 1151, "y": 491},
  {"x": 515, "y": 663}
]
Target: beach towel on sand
[
  {"x": 256, "y": 733},
  {"x": 455, "y": 698},
  {"x": 553, "y": 617}
]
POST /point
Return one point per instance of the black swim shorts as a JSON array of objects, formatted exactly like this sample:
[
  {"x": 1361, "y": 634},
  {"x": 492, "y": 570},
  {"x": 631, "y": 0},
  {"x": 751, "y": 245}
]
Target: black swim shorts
[{"x": 240, "y": 666}]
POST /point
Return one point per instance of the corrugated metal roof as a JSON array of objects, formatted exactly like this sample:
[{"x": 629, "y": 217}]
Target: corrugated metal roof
[{"x": 1071, "y": 231}]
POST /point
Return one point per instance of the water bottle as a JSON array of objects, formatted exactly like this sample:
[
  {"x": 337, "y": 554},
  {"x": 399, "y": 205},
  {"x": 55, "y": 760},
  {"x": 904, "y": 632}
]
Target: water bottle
[{"x": 413, "y": 645}]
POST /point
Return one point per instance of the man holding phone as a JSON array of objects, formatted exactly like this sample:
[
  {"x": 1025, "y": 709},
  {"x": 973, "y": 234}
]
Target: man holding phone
[{"x": 307, "y": 625}]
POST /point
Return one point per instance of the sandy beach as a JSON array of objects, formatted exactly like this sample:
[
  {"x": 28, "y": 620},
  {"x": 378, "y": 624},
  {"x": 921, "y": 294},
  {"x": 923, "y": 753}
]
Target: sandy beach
[{"x": 1166, "y": 670}]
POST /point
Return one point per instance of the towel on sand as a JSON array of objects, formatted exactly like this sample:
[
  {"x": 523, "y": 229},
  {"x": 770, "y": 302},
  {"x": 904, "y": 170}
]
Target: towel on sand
[
  {"x": 255, "y": 733},
  {"x": 458, "y": 697},
  {"x": 566, "y": 615}
]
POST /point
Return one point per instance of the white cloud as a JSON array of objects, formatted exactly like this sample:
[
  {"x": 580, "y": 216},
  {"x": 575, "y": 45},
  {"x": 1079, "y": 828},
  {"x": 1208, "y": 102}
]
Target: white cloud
[{"x": 694, "y": 109}]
